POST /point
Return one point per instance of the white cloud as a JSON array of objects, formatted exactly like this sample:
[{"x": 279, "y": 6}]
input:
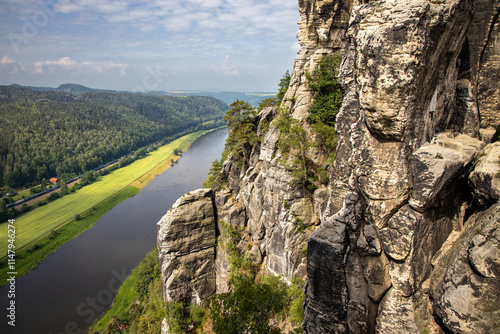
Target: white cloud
[
  {"x": 7, "y": 60},
  {"x": 295, "y": 47},
  {"x": 226, "y": 68},
  {"x": 222, "y": 17},
  {"x": 64, "y": 64}
]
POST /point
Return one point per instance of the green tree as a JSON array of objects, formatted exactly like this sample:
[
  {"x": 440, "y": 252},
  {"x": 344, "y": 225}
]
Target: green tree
[
  {"x": 283, "y": 86},
  {"x": 214, "y": 172},
  {"x": 147, "y": 272},
  {"x": 328, "y": 98},
  {"x": 294, "y": 139},
  {"x": 269, "y": 102},
  {"x": 327, "y": 102},
  {"x": 249, "y": 307},
  {"x": 242, "y": 130},
  {"x": 296, "y": 296},
  {"x": 64, "y": 188}
]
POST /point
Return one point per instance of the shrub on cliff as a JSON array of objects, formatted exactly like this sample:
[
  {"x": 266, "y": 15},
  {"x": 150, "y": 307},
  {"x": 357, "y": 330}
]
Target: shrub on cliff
[
  {"x": 242, "y": 131},
  {"x": 327, "y": 101},
  {"x": 249, "y": 307},
  {"x": 283, "y": 86}
]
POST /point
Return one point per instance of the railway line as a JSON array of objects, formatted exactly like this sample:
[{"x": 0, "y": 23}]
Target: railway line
[{"x": 51, "y": 189}]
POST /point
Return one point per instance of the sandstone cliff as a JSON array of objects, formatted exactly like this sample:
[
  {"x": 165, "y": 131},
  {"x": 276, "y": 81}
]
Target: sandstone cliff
[{"x": 405, "y": 237}]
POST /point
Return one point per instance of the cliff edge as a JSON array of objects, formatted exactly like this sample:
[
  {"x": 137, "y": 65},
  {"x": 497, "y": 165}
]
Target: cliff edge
[{"x": 404, "y": 237}]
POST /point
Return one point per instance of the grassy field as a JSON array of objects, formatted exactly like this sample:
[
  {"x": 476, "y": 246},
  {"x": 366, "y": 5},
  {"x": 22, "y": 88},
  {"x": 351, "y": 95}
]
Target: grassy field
[
  {"x": 43, "y": 220},
  {"x": 28, "y": 258}
]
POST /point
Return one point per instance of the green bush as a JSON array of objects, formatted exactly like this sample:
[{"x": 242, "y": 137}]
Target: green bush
[
  {"x": 213, "y": 174},
  {"x": 327, "y": 102},
  {"x": 296, "y": 296},
  {"x": 249, "y": 307},
  {"x": 293, "y": 138},
  {"x": 228, "y": 241},
  {"x": 242, "y": 131},
  {"x": 147, "y": 272},
  {"x": 283, "y": 86},
  {"x": 269, "y": 102},
  {"x": 181, "y": 316}
]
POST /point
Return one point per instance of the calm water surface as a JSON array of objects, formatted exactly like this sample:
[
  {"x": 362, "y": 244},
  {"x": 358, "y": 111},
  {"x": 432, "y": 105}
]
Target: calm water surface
[{"x": 72, "y": 286}]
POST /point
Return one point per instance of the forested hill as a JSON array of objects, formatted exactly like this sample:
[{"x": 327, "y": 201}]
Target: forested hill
[{"x": 53, "y": 133}]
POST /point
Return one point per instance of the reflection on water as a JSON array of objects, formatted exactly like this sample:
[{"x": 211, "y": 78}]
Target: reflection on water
[{"x": 72, "y": 286}]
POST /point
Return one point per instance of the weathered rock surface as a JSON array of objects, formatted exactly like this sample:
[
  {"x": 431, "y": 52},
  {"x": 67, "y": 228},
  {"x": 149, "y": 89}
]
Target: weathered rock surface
[
  {"x": 396, "y": 314},
  {"x": 483, "y": 36},
  {"x": 399, "y": 241},
  {"x": 435, "y": 165},
  {"x": 186, "y": 248},
  {"x": 485, "y": 178},
  {"x": 164, "y": 327},
  {"x": 397, "y": 237},
  {"x": 408, "y": 138},
  {"x": 327, "y": 293},
  {"x": 321, "y": 31},
  {"x": 466, "y": 281}
]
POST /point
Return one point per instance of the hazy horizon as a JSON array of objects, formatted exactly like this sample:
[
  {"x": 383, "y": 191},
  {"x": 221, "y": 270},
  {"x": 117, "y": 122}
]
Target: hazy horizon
[{"x": 173, "y": 91}]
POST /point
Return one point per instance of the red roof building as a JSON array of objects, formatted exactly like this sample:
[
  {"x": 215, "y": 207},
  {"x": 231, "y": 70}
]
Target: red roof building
[{"x": 53, "y": 180}]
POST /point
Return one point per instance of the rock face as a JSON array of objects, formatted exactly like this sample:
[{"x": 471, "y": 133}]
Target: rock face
[
  {"x": 485, "y": 178},
  {"x": 186, "y": 248},
  {"x": 410, "y": 131},
  {"x": 404, "y": 238},
  {"x": 466, "y": 280}
]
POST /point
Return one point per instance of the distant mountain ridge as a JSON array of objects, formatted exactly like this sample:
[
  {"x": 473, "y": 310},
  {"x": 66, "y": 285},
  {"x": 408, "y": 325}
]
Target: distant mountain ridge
[
  {"x": 254, "y": 98},
  {"x": 79, "y": 89},
  {"x": 69, "y": 88}
]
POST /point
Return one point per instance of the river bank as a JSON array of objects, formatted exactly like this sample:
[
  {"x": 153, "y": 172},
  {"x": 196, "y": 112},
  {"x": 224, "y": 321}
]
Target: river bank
[
  {"x": 43, "y": 230},
  {"x": 71, "y": 287}
]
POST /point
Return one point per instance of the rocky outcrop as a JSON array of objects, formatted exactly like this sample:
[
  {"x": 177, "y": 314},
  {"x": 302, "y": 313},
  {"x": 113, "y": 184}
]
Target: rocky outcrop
[
  {"x": 483, "y": 67},
  {"x": 186, "y": 248},
  {"x": 322, "y": 28},
  {"x": 274, "y": 217},
  {"x": 437, "y": 164},
  {"x": 466, "y": 279},
  {"x": 485, "y": 179},
  {"x": 404, "y": 239}
]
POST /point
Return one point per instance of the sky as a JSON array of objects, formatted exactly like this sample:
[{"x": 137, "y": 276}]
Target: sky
[{"x": 214, "y": 45}]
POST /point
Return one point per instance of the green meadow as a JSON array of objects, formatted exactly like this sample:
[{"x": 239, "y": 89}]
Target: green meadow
[
  {"x": 28, "y": 258},
  {"x": 43, "y": 221}
]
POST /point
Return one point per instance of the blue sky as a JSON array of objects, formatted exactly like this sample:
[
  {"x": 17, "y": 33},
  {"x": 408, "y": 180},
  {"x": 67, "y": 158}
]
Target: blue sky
[{"x": 230, "y": 45}]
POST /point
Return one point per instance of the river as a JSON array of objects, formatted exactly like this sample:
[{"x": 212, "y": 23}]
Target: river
[{"x": 75, "y": 284}]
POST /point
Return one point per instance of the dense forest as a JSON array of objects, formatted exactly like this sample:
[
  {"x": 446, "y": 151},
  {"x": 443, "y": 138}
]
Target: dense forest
[{"x": 56, "y": 133}]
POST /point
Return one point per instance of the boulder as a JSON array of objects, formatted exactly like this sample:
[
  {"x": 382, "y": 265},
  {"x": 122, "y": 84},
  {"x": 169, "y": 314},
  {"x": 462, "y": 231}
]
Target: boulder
[
  {"x": 466, "y": 280},
  {"x": 435, "y": 165},
  {"x": 485, "y": 178}
]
